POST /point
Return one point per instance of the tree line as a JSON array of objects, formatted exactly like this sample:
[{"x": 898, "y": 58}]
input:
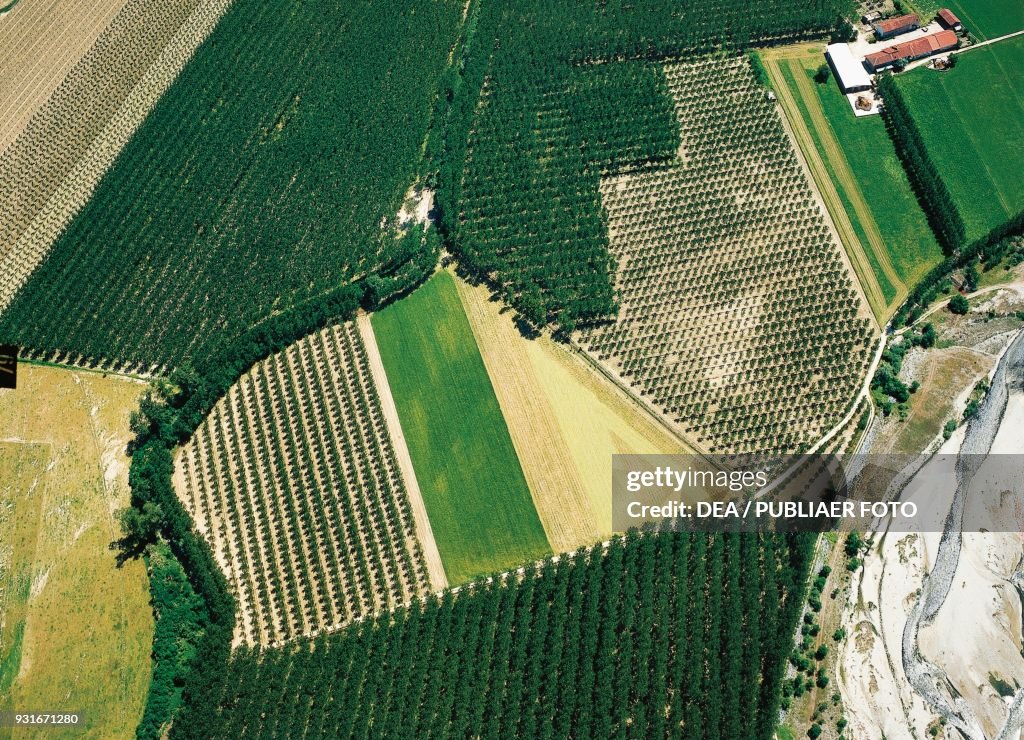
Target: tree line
[
  {"x": 521, "y": 142},
  {"x": 168, "y": 416},
  {"x": 673, "y": 634},
  {"x": 935, "y": 197}
]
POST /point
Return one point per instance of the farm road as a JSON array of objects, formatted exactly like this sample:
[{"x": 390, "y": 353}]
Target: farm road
[{"x": 831, "y": 434}]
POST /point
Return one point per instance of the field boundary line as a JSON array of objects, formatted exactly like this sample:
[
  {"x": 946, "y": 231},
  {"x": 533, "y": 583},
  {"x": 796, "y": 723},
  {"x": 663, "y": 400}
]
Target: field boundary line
[
  {"x": 835, "y": 214},
  {"x": 863, "y": 394},
  {"x": 838, "y": 158},
  {"x": 986, "y": 42},
  {"x": 424, "y": 532},
  {"x": 645, "y": 405},
  {"x": 83, "y": 369}
]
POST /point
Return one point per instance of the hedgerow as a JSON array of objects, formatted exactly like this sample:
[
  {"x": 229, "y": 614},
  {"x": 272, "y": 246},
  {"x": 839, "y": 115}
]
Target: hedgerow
[{"x": 935, "y": 197}]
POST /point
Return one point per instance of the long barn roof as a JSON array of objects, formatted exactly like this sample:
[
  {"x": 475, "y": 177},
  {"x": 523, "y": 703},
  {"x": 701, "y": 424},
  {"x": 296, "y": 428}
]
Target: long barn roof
[
  {"x": 894, "y": 24},
  {"x": 851, "y": 72},
  {"x": 912, "y": 49}
]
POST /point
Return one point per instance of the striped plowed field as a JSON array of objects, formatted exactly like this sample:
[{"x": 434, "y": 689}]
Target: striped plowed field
[{"x": 40, "y": 42}]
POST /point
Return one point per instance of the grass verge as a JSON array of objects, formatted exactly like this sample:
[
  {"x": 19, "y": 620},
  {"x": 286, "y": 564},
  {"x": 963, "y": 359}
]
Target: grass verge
[{"x": 862, "y": 182}]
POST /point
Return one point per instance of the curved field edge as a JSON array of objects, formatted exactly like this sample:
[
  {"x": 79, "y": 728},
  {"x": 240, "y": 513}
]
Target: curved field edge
[
  {"x": 294, "y": 483},
  {"x": 81, "y": 621},
  {"x": 480, "y": 507}
]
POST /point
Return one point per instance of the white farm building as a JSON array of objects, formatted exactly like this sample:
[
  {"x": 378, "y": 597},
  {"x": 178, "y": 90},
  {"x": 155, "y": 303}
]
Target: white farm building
[{"x": 849, "y": 72}]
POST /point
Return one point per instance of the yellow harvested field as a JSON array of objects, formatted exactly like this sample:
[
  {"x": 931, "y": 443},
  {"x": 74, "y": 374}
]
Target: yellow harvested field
[
  {"x": 566, "y": 422},
  {"x": 40, "y": 41},
  {"x": 75, "y": 630}
]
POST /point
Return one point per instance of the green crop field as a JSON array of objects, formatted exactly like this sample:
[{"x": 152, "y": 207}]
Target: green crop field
[
  {"x": 260, "y": 179},
  {"x": 480, "y": 508},
  {"x": 985, "y": 19},
  {"x": 889, "y": 228},
  {"x": 971, "y": 121}
]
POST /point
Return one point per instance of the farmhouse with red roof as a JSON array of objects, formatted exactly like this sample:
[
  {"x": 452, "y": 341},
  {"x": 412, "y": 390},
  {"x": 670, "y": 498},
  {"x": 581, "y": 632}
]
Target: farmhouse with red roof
[
  {"x": 895, "y": 26},
  {"x": 908, "y": 51}
]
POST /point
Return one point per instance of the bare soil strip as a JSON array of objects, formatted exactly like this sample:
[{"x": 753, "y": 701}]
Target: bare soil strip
[{"x": 435, "y": 568}]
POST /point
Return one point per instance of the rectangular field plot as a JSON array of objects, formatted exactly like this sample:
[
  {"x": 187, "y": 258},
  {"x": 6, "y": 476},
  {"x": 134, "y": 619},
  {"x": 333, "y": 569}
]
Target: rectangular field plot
[
  {"x": 739, "y": 319},
  {"x": 971, "y": 120},
  {"x": 480, "y": 507},
  {"x": 862, "y": 181},
  {"x": 293, "y": 481}
]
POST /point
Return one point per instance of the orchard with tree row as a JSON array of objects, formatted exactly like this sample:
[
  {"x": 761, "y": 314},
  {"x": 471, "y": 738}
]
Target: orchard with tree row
[
  {"x": 548, "y": 97},
  {"x": 738, "y": 319},
  {"x": 260, "y": 180},
  {"x": 293, "y": 482},
  {"x": 660, "y": 635}
]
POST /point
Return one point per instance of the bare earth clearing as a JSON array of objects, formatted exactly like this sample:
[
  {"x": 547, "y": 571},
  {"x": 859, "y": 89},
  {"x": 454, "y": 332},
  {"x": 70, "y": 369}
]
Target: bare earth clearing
[{"x": 964, "y": 644}]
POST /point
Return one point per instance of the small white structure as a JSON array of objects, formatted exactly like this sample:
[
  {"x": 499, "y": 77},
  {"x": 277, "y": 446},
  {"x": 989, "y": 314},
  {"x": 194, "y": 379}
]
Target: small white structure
[{"x": 849, "y": 71}]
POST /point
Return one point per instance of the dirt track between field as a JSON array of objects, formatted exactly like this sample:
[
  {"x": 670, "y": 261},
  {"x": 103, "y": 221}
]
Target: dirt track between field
[{"x": 435, "y": 567}]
